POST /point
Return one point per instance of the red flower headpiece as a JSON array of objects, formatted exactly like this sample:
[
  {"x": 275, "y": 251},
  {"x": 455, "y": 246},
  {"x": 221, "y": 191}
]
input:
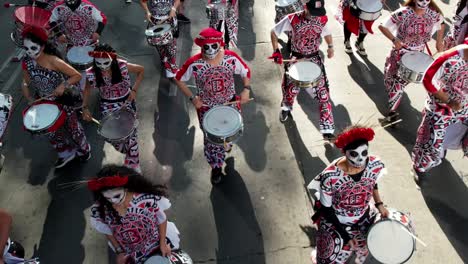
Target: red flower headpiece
[
  {"x": 354, "y": 134},
  {"x": 41, "y": 33},
  {"x": 102, "y": 55},
  {"x": 113, "y": 181}
]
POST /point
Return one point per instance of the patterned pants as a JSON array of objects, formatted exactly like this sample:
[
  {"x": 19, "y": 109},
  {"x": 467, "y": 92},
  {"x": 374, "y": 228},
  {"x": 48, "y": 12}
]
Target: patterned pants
[
  {"x": 70, "y": 139},
  {"x": 129, "y": 146},
  {"x": 320, "y": 92},
  {"x": 215, "y": 154},
  {"x": 230, "y": 25},
  {"x": 167, "y": 53},
  {"x": 393, "y": 83},
  {"x": 330, "y": 248},
  {"x": 429, "y": 148}
]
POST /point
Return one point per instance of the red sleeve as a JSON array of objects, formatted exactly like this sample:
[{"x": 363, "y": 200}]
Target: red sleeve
[
  {"x": 432, "y": 70},
  {"x": 232, "y": 53},
  {"x": 184, "y": 67},
  {"x": 24, "y": 66}
]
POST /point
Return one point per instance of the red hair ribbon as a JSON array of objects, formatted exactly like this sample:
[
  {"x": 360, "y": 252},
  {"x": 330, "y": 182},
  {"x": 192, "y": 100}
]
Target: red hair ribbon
[
  {"x": 354, "y": 134},
  {"x": 113, "y": 181},
  {"x": 41, "y": 33},
  {"x": 102, "y": 54}
]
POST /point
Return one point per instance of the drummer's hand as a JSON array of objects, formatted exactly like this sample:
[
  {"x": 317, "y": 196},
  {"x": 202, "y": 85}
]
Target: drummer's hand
[
  {"x": 59, "y": 90},
  {"x": 439, "y": 46},
  {"x": 245, "y": 96},
  {"x": 165, "y": 249},
  {"x": 62, "y": 39},
  {"x": 277, "y": 57},
  {"x": 398, "y": 45},
  {"x": 30, "y": 100},
  {"x": 383, "y": 211},
  {"x": 197, "y": 102},
  {"x": 330, "y": 53},
  {"x": 131, "y": 96},
  {"x": 172, "y": 13},
  {"x": 95, "y": 37},
  {"x": 87, "y": 116},
  {"x": 352, "y": 243},
  {"x": 455, "y": 105},
  {"x": 149, "y": 17},
  {"x": 122, "y": 259}
]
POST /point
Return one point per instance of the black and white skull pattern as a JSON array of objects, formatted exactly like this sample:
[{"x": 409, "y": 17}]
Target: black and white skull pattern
[
  {"x": 103, "y": 63},
  {"x": 422, "y": 4},
  {"x": 211, "y": 50},
  {"x": 358, "y": 157},
  {"x": 32, "y": 49}
]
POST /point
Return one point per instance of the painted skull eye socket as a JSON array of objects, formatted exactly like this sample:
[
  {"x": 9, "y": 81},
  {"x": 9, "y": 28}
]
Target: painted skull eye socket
[
  {"x": 212, "y": 46},
  {"x": 353, "y": 154},
  {"x": 364, "y": 153}
]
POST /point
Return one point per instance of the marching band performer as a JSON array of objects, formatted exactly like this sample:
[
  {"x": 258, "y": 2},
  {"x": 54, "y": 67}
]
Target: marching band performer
[
  {"x": 348, "y": 15},
  {"x": 230, "y": 24},
  {"x": 48, "y": 76},
  {"x": 164, "y": 11},
  {"x": 347, "y": 186},
  {"x": 130, "y": 211},
  {"x": 112, "y": 77},
  {"x": 306, "y": 27},
  {"x": 409, "y": 28},
  {"x": 77, "y": 22},
  {"x": 214, "y": 69},
  {"x": 447, "y": 104},
  {"x": 460, "y": 23}
]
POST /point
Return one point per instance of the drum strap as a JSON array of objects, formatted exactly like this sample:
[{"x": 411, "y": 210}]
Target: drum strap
[
  {"x": 115, "y": 100},
  {"x": 303, "y": 56}
]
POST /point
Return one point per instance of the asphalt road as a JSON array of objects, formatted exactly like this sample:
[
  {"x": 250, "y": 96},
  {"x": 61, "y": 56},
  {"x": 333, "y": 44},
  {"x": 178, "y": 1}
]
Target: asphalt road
[{"x": 261, "y": 214}]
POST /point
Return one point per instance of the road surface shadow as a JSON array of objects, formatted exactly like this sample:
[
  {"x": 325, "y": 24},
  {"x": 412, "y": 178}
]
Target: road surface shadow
[
  {"x": 235, "y": 221},
  {"x": 246, "y": 34}
]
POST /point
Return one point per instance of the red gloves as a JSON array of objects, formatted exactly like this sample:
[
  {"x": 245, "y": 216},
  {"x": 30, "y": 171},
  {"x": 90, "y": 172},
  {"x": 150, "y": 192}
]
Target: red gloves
[{"x": 277, "y": 57}]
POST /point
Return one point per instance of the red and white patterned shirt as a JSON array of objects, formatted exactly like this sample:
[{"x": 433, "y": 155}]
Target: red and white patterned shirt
[
  {"x": 413, "y": 30},
  {"x": 108, "y": 90},
  {"x": 215, "y": 84},
  {"x": 350, "y": 199},
  {"x": 78, "y": 25},
  {"x": 448, "y": 73},
  {"x": 306, "y": 31}
]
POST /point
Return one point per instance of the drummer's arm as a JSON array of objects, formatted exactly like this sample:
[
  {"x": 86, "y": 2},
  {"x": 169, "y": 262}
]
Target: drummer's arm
[
  {"x": 140, "y": 72},
  {"x": 144, "y": 5},
  {"x": 25, "y": 88},
  {"x": 440, "y": 38},
  {"x": 65, "y": 68},
  {"x": 184, "y": 88},
  {"x": 386, "y": 32},
  {"x": 378, "y": 201},
  {"x": 86, "y": 93},
  {"x": 274, "y": 40}
]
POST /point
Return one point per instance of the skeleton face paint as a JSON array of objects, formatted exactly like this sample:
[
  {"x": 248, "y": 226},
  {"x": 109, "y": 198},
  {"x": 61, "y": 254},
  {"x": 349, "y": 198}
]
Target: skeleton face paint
[
  {"x": 103, "y": 64},
  {"x": 357, "y": 157},
  {"x": 211, "y": 50},
  {"x": 115, "y": 196},
  {"x": 422, "y": 4},
  {"x": 33, "y": 50},
  {"x": 72, "y": 4}
]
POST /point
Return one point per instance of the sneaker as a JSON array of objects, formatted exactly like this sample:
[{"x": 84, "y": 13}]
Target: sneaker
[
  {"x": 61, "y": 162},
  {"x": 419, "y": 178},
  {"x": 283, "y": 116},
  {"x": 216, "y": 176},
  {"x": 347, "y": 47},
  {"x": 360, "y": 48},
  {"x": 329, "y": 137},
  {"x": 182, "y": 18}
]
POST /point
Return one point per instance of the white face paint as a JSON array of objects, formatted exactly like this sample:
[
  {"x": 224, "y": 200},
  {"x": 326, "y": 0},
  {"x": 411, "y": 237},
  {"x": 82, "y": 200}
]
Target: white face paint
[
  {"x": 103, "y": 64},
  {"x": 211, "y": 50},
  {"x": 32, "y": 49},
  {"x": 422, "y": 4},
  {"x": 357, "y": 157},
  {"x": 115, "y": 196}
]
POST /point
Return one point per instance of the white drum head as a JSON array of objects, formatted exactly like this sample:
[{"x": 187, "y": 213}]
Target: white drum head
[
  {"x": 40, "y": 116},
  {"x": 158, "y": 260},
  {"x": 222, "y": 121},
  {"x": 284, "y": 3},
  {"x": 370, "y": 6},
  {"x": 417, "y": 61},
  {"x": 389, "y": 242},
  {"x": 157, "y": 30},
  {"x": 80, "y": 55},
  {"x": 304, "y": 71}
]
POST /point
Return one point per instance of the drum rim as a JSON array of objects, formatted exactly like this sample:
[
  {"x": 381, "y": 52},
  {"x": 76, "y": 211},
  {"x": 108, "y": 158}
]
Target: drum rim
[
  {"x": 80, "y": 63},
  {"x": 51, "y": 124},
  {"x": 149, "y": 32},
  {"x": 304, "y": 62},
  {"x": 413, "y": 52},
  {"x": 372, "y": 11},
  {"x": 106, "y": 117},
  {"x": 382, "y": 220},
  {"x": 234, "y": 132},
  {"x": 283, "y": 6}
]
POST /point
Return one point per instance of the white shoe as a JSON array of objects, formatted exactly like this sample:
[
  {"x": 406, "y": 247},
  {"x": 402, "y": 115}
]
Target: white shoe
[
  {"x": 347, "y": 47},
  {"x": 360, "y": 48}
]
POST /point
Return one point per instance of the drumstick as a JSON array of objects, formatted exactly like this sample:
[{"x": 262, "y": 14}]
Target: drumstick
[
  {"x": 43, "y": 98},
  {"x": 94, "y": 120},
  {"x": 235, "y": 102},
  {"x": 391, "y": 124},
  {"x": 415, "y": 237}
]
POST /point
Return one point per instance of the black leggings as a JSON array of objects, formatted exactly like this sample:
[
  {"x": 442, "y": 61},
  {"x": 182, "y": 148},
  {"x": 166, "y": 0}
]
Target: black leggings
[{"x": 347, "y": 34}]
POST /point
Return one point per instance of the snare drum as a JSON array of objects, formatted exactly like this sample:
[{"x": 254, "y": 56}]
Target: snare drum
[
  {"x": 28, "y": 16},
  {"x": 389, "y": 239},
  {"x": 370, "y": 9},
  {"x": 158, "y": 35},
  {"x": 44, "y": 117},
  {"x": 222, "y": 124},
  {"x": 79, "y": 58},
  {"x": 286, "y": 7},
  {"x": 305, "y": 74},
  {"x": 118, "y": 125},
  {"x": 177, "y": 256},
  {"x": 216, "y": 10},
  {"x": 413, "y": 66}
]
